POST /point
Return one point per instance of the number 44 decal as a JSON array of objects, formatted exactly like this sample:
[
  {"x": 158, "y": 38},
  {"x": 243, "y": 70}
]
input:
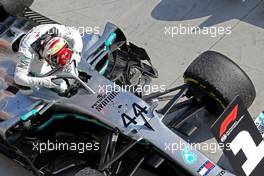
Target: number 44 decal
[{"x": 138, "y": 112}]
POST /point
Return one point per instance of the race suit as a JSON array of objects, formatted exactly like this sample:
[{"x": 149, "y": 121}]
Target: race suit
[{"x": 31, "y": 66}]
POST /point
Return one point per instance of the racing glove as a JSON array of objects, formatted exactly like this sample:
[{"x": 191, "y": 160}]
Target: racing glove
[{"x": 59, "y": 85}]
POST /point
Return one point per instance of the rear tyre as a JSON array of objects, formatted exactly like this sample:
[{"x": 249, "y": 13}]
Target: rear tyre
[
  {"x": 14, "y": 7},
  {"x": 88, "y": 172},
  {"x": 221, "y": 79}
]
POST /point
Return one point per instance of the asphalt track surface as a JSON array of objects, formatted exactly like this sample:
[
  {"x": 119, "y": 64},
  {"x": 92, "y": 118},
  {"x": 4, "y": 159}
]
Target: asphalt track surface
[{"x": 148, "y": 24}]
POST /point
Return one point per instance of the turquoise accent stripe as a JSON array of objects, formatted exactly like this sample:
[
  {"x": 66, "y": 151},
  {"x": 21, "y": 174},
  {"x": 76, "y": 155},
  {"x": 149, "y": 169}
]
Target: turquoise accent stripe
[
  {"x": 29, "y": 114},
  {"x": 107, "y": 43},
  {"x": 102, "y": 71},
  {"x": 63, "y": 116},
  {"x": 110, "y": 40},
  {"x": 261, "y": 116}
]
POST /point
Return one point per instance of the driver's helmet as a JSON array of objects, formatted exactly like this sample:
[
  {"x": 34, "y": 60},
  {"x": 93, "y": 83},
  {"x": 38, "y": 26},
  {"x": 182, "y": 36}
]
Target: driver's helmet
[{"x": 56, "y": 52}]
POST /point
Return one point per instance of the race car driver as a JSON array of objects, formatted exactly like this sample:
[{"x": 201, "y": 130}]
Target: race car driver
[{"x": 44, "y": 48}]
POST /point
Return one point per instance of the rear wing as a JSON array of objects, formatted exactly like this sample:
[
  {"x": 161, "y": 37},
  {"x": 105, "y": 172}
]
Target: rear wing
[{"x": 244, "y": 145}]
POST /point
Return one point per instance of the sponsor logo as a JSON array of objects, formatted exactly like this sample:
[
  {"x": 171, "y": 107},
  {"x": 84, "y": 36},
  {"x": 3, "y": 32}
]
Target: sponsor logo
[
  {"x": 104, "y": 100},
  {"x": 188, "y": 156},
  {"x": 229, "y": 119},
  {"x": 206, "y": 168},
  {"x": 222, "y": 173},
  {"x": 237, "y": 129},
  {"x": 226, "y": 128}
]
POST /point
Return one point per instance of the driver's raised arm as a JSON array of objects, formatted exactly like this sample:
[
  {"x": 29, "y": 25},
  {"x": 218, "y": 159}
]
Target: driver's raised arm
[
  {"x": 21, "y": 76},
  {"x": 41, "y": 43}
]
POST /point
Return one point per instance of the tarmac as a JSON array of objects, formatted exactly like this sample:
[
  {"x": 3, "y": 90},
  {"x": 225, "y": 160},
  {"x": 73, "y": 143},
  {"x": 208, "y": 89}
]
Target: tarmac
[{"x": 166, "y": 30}]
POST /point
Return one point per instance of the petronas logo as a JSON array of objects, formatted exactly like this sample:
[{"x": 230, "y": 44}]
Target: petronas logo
[{"x": 188, "y": 156}]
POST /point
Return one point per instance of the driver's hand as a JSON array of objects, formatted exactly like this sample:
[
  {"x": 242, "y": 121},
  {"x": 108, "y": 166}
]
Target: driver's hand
[
  {"x": 47, "y": 82},
  {"x": 61, "y": 87}
]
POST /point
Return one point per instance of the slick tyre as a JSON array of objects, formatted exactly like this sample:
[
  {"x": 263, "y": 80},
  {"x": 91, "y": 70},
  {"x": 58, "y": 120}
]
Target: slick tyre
[
  {"x": 88, "y": 172},
  {"x": 221, "y": 79}
]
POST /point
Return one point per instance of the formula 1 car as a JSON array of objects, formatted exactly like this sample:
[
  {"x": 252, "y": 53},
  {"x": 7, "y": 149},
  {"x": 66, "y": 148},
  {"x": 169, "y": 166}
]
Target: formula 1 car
[{"x": 90, "y": 130}]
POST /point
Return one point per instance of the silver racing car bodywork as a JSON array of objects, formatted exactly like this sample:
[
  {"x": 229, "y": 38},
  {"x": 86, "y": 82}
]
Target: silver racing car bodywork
[
  {"x": 109, "y": 108},
  {"x": 104, "y": 101},
  {"x": 98, "y": 98}
]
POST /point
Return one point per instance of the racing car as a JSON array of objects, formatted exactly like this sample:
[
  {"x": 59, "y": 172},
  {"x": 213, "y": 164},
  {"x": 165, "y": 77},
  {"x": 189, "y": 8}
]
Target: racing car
[{"x": 122, "y": 131}]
